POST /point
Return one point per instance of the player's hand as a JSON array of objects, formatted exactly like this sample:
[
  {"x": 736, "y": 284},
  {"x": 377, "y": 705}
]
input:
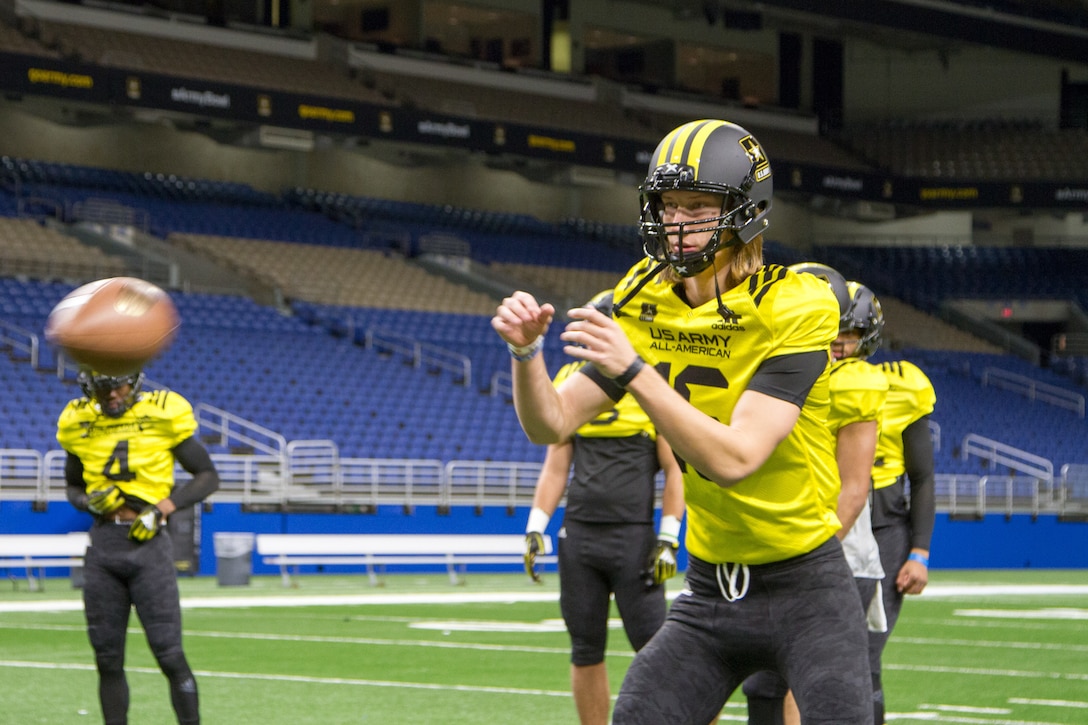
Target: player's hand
[
  {"x": 663, "y": 561},
  {"x": 146, "y": 525},
  {"x": 912, "y": 578},
  {"x": 534, "y": 544},
  {"x": 520, "y": 319},
  {"x": 105, "y": 501},
  {"x": 596, "y": 338}
]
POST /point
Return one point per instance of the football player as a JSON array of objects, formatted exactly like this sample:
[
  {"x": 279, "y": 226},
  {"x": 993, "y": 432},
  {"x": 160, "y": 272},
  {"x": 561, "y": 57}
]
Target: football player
[
  {"x": 122, "y": 443},
  {"x": 902, "y": 523},
  {"x": 858, "y": 393},
  {"x": 607, "y": 544},
  {"x": 729, "y": 357}
]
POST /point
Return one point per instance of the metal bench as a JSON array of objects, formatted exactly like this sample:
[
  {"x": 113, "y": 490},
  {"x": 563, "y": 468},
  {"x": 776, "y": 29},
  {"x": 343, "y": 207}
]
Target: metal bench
[
  {"x": 36, "y": 552},
  {"x": 455, "y": 551}
]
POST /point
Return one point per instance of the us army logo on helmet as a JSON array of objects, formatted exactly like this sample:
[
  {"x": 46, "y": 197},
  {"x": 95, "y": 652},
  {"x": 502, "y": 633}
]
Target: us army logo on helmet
[{"x": 761, "y": 165}]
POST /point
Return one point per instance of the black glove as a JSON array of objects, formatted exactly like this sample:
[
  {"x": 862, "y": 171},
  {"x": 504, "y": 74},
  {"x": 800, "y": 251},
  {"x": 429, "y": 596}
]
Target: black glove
[
  {"x": 663, "y": 561},
  {"x": 105, "y": 501},
  {"x": 146, "y": 525},
  {"x": 534, "y": 544}
]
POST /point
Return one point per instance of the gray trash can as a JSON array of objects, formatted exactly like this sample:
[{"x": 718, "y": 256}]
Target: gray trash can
[{"x": 233, "y": 558}]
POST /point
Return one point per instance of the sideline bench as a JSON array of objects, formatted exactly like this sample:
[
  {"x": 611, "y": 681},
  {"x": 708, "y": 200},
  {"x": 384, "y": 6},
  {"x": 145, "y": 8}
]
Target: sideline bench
[
  {"x": 456, "y": 551},
  {"x": 36, "y": 552}
]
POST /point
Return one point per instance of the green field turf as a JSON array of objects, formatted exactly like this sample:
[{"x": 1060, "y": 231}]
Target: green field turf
[{"x": 335, "y": 650}]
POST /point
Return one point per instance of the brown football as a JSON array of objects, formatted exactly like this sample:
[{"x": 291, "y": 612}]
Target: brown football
[{"x": 114, "y": 325}]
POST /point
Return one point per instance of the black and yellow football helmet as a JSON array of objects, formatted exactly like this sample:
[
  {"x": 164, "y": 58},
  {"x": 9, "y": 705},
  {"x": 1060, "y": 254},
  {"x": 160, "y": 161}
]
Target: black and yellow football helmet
[{"x": 712, "y": 156}]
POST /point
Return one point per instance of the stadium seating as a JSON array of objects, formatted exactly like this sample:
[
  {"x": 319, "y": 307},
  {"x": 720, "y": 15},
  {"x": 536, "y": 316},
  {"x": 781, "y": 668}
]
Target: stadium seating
[
  {"x": 296, "y": 378},
  {"x": 992, "y": 150}
]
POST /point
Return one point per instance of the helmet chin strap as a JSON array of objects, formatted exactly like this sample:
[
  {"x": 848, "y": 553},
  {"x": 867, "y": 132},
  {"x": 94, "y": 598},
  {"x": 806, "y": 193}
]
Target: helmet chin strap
[{"x": 727, "y": 314}]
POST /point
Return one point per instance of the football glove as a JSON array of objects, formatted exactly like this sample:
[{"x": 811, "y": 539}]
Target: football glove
[
  {"x": 663, "y": 561},
  {"x": 534, "y": 544},
  {"x": 146, "y": 525},
  {"x": 105, "y": 501}
]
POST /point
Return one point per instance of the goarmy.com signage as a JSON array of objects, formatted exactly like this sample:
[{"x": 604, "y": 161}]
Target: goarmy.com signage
[
  {"x": 308, "y": 112},
  {"x": 49, "y": 76},
  {"x": 52, "y": 77}
]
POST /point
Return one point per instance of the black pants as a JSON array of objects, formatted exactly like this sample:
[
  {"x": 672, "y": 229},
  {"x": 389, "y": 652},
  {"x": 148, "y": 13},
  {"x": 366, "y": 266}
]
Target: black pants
[
  {"x": 120, "y": 574},
  {"x": 801, "y": 618},
  {"x": 595, "y": 562}
]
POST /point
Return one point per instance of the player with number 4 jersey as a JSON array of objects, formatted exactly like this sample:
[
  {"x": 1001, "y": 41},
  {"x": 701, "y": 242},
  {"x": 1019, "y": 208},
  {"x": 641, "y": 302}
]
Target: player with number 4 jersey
[{"x": 122, "y": 444}]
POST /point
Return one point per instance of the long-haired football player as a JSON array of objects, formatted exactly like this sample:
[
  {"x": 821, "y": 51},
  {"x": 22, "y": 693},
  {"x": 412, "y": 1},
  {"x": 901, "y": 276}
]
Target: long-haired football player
[
  {"x": 122, "y": 443},
  {"x": 729, "y": 357}
]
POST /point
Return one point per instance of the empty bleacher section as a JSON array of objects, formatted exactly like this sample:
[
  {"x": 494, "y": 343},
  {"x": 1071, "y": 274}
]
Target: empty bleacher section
[
  {"x": 908, "y": 327},
  {"x": 35, "y": 250},
  {"x": 338, "y": 275},
  {"x": 292, "y": 377},
  {"x": 13, "y": 40},
  {"x": 926, "y": 276},
  {"x": 991, "y": 150},
  {"x": 296, "y": 379}
]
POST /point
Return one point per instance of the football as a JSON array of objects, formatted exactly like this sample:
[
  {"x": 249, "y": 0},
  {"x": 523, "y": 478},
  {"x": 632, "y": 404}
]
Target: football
[{"x": 114, "y": 325}]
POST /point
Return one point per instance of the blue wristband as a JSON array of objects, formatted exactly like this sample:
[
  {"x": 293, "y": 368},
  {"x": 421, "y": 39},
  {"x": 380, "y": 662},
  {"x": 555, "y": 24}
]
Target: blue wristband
[{"x": 914, "y": 556}]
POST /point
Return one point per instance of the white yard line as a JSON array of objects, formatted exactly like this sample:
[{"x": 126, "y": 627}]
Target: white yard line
[{"x": 303, "y": 600}]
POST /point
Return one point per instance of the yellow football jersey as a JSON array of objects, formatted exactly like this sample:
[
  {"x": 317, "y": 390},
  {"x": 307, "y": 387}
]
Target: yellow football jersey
[
  {"x": 625, "y": 419},
  {"x": 132, "y": 452},
  {"x": 910, "y": 397},
  {"x": 709, "y": 356},
  {"x": 858, "y": 392}
]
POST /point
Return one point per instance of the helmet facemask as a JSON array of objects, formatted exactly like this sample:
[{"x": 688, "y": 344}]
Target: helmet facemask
[
  {"x": 98, "y": 387},
  {"x": 664, "y": 242}
]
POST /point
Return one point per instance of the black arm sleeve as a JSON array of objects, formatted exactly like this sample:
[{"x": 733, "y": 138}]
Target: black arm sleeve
[
  {"x": 789, "y": 377},
  {"x": 918, "y": 458},
  {"x": 194, "y": 458},
  {"x": 76, "y": 488}
]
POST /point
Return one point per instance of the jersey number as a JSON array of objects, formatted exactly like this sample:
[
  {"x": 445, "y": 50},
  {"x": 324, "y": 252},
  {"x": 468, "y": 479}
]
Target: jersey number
[
  {"x": 118, "y": 459},
  {"x": 693, "y": 375}
]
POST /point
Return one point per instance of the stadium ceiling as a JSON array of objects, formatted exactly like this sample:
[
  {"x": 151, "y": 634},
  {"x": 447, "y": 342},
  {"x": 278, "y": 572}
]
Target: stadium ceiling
[{"x": 1051, "y": 28}]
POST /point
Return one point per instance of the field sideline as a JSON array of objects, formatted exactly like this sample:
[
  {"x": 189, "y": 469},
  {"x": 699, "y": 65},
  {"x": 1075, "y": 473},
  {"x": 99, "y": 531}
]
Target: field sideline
[{"x": 990, "y": 648}]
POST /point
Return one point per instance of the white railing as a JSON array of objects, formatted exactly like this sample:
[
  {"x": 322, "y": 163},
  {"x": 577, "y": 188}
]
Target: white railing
[
  {"x": 472, "y": 483},
  {"x": 233, "y": 429},
  {"x": 1017, "y": 460},
  {"x": 317, "y": 477},
  {"x": 502, "y": 384},
  {"x": 21, "y": 476},
  {"x": 1033, "y": 390},
  {"x": 420, "y": 353},
  {"x": 20, "y": 339},
  {"x": 1072, "y": 490}
]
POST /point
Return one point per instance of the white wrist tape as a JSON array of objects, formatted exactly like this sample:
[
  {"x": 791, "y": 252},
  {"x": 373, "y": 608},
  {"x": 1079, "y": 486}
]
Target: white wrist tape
[
  {"x": 669, "y": 529},
  {"x": 538, "y": 520}
]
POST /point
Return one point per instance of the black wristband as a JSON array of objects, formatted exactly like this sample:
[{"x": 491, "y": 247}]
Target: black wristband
[{"x": 624, "y": 379}]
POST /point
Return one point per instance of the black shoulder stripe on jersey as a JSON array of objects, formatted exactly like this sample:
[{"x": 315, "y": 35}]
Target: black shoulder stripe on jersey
[
  {"x": 895, "y": 367},
  {"x": 158, "y": 397},
  {"x": 650, "y": 274},
  {"x": 761, "y": 282}
]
